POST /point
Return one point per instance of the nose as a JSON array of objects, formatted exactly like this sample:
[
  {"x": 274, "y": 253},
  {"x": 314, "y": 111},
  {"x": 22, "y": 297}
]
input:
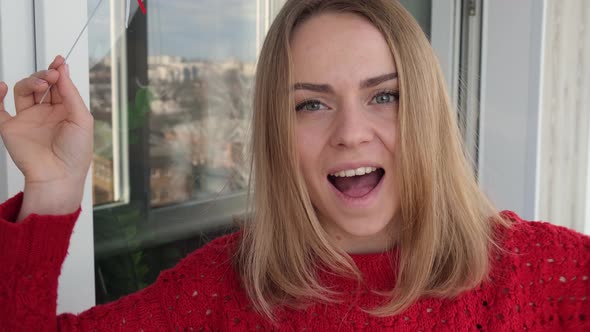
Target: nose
[{"x": 352, "y": 127}]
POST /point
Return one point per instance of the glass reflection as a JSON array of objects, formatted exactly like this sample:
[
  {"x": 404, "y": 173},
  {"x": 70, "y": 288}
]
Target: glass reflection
[{"x": 201, "y": 63}]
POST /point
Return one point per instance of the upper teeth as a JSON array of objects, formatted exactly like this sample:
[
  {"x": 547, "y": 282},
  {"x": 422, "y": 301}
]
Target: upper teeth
[{"x": 354, "y": 172}]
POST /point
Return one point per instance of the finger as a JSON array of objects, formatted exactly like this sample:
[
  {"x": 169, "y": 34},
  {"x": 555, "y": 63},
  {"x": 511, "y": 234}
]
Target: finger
[
  {"x": 25, "y": 89},
  {"x": 52, "y": 96},
  {"x": 71, "y": 98},
  {"x": 3, "y": 92},
  {"x": 50, "y": 76},
  {"x": 54, "y": 91},
  {"x": 58, "y": 61},
  {"x": 4, "y": 116}
]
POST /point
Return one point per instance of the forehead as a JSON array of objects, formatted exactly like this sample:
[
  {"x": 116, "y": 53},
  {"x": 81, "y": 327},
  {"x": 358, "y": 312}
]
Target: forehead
[{"x": 339, "y": 47}]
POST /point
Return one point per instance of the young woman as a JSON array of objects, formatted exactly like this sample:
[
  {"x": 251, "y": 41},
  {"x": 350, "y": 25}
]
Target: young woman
[{"x": 365, "y": 216}]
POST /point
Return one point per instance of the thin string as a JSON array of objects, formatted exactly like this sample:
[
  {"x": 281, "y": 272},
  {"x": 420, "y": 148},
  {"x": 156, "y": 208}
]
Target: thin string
[{"x": 73, "y": 46}]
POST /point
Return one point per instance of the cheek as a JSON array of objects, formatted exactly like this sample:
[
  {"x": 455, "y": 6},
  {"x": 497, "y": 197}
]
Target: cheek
[
  {"x": 391, "y": 141},
  {"x": 388, "y": 136},
  {"x": 385, "y": 124},
  {"x": 305, "y": 150},
  {"x": 391, "y": 134},
  {"x": 310, "y": 137},
  {"x": 309, "y": 151}
]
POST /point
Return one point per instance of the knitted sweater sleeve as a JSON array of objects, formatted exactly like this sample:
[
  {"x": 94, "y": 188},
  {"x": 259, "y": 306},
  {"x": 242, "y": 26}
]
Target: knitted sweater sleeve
[{"x": 31, "y": 256}]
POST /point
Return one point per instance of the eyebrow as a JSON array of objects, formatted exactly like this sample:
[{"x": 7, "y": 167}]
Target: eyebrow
[
  {"x": 374, "y": 81},
  {"x": 326, "y": 88}
]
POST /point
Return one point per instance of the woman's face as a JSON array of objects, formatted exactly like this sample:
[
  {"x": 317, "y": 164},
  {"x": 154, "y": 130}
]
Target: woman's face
[{"x": 345, "y": 94}]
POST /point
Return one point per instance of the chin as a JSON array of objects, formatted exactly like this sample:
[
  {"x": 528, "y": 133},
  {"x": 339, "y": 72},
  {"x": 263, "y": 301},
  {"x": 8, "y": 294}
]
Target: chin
[{"x": 363, "y": 227}]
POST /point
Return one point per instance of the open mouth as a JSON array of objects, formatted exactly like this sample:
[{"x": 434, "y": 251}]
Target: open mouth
[{"x": 357, "y": 183}]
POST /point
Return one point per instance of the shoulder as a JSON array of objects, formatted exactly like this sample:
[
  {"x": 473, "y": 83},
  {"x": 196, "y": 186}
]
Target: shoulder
[
  {"x": 535, "y": 250},
  {"x": 542, "y": 274},
  {"x": 542, "y": 236}
]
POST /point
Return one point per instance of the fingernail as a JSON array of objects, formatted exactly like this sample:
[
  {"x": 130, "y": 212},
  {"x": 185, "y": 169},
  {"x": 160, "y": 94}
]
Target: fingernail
[
  {"x": 67, "y": 69},
  {"x": 39, "y": 81}
]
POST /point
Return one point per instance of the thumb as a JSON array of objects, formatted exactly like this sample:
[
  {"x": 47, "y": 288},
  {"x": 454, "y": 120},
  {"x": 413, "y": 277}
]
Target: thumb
[
  {"x": 4, "y": 116},
  {"x": 70, "y": 97}
]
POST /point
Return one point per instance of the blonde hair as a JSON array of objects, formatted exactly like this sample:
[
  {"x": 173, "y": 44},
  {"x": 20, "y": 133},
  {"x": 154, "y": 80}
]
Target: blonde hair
[{"x": 445, "y": 234}]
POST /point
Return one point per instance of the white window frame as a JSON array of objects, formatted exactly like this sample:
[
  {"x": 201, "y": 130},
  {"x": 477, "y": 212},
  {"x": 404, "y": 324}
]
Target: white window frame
[
  {"x": 17, "y": 60},
  {"x": 119, "y": 103}
]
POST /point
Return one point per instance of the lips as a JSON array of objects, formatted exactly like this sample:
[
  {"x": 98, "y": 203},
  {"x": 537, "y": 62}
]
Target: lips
[{"x": 357, "y": 186}]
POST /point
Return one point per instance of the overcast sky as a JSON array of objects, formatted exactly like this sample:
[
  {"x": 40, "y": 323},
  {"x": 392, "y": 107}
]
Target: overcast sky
[{"x": 204, "y": 29}]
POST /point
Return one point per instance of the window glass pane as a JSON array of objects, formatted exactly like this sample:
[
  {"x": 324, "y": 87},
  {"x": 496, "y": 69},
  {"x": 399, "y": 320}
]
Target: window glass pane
[
  {"x": 201, "y": 68},
  {"x": 421, "y": 9}
]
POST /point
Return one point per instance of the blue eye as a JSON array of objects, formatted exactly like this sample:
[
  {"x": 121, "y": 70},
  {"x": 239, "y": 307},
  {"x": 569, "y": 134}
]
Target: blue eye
[
  {"x": 385, "y": 97},
  {"x": 310, "y": 105}
]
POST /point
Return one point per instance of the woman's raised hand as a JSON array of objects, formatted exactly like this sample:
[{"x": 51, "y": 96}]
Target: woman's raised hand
[{"x": 51, "y": 143}]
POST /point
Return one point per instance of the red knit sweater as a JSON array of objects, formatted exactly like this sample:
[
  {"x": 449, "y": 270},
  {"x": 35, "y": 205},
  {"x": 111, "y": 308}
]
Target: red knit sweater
[{"x": 542, "y": 285}]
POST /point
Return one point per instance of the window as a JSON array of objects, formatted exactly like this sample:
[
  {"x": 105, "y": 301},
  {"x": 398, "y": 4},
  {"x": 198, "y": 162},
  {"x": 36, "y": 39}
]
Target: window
[
  {"x": 421, "y": 10},
  {"x": 171, "y": 100}
]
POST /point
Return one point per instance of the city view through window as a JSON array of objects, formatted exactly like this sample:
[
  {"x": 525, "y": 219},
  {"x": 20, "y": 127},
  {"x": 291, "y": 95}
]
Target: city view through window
[
  {"x": 197, "y": 99},
  {"x": 198, "y": 127}
]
